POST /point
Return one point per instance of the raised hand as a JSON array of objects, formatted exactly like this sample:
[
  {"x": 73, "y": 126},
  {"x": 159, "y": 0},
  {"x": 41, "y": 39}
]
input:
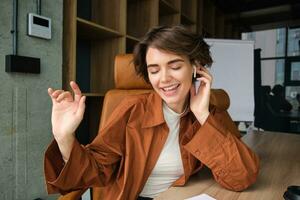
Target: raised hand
[
  {"x": 199, "y": 103},
  {"x": 67, "y": 112}
]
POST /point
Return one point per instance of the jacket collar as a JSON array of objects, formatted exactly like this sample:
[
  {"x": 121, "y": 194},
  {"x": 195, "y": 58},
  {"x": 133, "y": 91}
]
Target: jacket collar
[
  {"x": 154, "y": 114},
  {"x": 154, "y": 111}
]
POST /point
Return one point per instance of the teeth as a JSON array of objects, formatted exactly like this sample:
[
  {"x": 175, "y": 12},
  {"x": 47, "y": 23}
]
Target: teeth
[{"x": 170, "y": 88}]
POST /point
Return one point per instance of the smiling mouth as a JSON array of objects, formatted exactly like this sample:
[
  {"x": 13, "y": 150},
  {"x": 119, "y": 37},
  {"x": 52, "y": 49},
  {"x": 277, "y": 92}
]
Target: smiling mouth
[{"x": 171, "y": 88}]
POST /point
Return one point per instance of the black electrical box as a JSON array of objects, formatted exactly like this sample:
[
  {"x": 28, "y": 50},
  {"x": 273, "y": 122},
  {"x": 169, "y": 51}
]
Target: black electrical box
[{"x": 24, "y": 64}]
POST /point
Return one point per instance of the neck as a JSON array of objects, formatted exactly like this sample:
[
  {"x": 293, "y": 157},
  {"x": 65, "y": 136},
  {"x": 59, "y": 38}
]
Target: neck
[{"x": 179, "y": 108}]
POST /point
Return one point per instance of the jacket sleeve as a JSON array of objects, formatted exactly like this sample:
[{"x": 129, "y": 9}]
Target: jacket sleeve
[
  {"x": 217, "y": 145},
  {"x": 93, "y": 165}
]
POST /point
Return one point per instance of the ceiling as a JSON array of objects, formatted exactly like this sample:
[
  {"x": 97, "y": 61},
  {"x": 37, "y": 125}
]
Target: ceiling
[{"x": 250, "y": 15}]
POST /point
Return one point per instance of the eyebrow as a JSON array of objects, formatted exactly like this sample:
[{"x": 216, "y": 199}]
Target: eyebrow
[{"x": 170, "y": 62}]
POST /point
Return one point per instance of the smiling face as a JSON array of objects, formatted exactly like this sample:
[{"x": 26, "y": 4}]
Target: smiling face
[{"x": 171, "y": 77}]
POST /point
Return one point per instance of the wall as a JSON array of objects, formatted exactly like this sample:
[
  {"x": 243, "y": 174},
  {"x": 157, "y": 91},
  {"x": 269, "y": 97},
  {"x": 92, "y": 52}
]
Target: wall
[
  {"x": 232, "y": 71},
  {"x": 25, "y": 127}
]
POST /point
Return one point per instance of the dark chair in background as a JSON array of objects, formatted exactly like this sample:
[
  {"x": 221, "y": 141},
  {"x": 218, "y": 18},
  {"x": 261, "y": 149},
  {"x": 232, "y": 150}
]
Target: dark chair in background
[
  {"x": 267, "y": 117},
  {"x": 261, "y": 108}
]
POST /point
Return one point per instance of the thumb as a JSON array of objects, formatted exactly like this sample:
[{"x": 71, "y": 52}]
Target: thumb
[{"x": 81, "y": 107}]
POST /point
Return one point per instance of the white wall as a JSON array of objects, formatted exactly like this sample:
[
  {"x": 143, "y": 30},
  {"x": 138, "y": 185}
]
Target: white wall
[{"x": 233, "y": 71}]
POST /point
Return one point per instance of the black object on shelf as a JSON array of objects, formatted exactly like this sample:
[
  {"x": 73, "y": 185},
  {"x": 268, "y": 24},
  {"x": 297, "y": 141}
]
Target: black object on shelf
[
  {"x": 292, "y": 193},
  {"x": 24, "y": 64}
]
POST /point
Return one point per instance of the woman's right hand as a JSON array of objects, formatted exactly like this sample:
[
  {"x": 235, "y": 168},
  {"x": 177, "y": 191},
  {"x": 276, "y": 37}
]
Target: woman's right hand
[{"x": 67, "y": 112}]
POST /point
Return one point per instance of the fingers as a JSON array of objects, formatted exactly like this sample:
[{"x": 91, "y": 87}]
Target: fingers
[
  {"x": 76, "y": 90},
  {"x": 53, "y": 94},
  {"x": 203, "y": 72},
  {"x": 81, "y": 107},
  {"x": 192, "y": 90},
  {"x": 204, "y": 81},
  {"x": 65, "y": 96},
  {"x": 202, "y": 68},
  {"x": 59, "y": 95},
  {"x": 56, "y": 93},
  {"x": 50, "y": 92}
]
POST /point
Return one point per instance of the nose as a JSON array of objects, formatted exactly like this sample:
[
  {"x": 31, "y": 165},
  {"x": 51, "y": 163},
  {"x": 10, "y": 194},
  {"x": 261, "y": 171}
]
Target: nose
[{"x": 165, "y": 76}]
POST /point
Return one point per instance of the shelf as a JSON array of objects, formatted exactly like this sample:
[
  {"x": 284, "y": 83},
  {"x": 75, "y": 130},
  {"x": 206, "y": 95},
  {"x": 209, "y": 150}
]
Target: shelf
[
  {"x": 169, "y": 20},
  {"x": 185, "y": 20},
  {"x": 93, "y": 94},
  {"x": 206, "y": 33},
  {"x": 132, "y": 1},
  {"x": 94, "y": 63},
  {"x": 84, "y": 9},
  {"x": 132, "y": 38},
  {"x": 95, "y": 31},
  {"x": 219, "y": 24},
  {"x": 209, "y": 17},
  {"x": 90, "y": 30},
  {"x": 130, "y": 43},
  {"x": 165, "y": 8},
  {"x": 89, "y": 126},
  {"x": 141, "y": 16}
]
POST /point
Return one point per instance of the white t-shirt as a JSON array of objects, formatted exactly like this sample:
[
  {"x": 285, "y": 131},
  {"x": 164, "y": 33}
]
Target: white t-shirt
[{"x": 169, "y": 164}]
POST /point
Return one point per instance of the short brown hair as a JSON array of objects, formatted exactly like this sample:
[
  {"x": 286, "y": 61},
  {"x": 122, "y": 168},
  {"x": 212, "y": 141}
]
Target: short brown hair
[{"x": 175, "y": 39}]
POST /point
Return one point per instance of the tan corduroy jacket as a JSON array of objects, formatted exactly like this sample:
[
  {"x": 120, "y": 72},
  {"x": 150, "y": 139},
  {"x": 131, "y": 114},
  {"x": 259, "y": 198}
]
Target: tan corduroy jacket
[{"x": 126, "y": 149}]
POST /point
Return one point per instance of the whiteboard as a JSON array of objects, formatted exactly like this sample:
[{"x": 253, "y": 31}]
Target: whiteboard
[{"x": 233, "y": 71}]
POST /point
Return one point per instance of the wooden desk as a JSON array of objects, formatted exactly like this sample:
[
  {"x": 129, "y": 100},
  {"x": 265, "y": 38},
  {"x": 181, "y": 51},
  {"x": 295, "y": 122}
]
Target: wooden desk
[{"x": 279, "y": 168}]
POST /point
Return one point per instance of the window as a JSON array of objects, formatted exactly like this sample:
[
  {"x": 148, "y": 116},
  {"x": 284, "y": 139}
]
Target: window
[
  {"x": 280, "y": 58},
  {"x": 272, "y": 72},
  {"x": 271, "y": 42},
  {"x": 294, "y": 42},
  {"x": 292, "y": 71},
  {"x": 295, "y": 71}
]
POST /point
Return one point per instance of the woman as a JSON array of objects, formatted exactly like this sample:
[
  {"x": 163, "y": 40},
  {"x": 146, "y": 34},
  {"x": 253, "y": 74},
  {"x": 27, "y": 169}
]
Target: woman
[{"x": 155, "y": 140}]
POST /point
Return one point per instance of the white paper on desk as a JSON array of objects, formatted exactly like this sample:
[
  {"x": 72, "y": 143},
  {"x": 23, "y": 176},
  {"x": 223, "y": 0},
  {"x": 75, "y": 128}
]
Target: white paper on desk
[{"x": 201, "y": 197}]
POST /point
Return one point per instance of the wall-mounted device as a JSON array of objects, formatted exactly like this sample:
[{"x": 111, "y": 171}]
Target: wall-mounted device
[
  {"x": 39, "y": 26},
  {"x": 23, "y": 64}
]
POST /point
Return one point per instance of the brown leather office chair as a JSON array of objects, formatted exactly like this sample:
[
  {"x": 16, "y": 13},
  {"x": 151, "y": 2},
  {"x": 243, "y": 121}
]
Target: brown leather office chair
[{"x": 128, "y": 83}]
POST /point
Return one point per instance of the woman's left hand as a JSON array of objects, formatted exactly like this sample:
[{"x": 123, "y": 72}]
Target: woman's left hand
[{"x": 199, "y": 103}]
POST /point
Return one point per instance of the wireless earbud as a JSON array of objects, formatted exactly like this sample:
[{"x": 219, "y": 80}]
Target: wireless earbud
[{"x": 194, "y": 71}]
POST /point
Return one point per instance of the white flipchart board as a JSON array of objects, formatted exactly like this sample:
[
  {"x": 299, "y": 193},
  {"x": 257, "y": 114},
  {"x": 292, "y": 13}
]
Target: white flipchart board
[{"x": 232, "y": 71}]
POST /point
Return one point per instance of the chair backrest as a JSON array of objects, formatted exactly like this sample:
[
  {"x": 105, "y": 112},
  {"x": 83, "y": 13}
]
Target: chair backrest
[
  {"x": 126, "y": 83},
  {"x": 260, "y": 106},
  {"x": 267, "y": 118}
]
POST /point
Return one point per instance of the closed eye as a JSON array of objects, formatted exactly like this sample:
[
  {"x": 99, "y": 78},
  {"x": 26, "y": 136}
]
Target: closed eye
[
  {"x": 176, "y": 68},
  {"x": 153, "y": 70}
]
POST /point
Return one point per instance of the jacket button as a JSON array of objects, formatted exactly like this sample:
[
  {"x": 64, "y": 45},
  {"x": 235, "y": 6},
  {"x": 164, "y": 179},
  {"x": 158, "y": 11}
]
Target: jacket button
[
  {"x": 222, "y": 172},
  {"x": 198, "y": 152}
]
